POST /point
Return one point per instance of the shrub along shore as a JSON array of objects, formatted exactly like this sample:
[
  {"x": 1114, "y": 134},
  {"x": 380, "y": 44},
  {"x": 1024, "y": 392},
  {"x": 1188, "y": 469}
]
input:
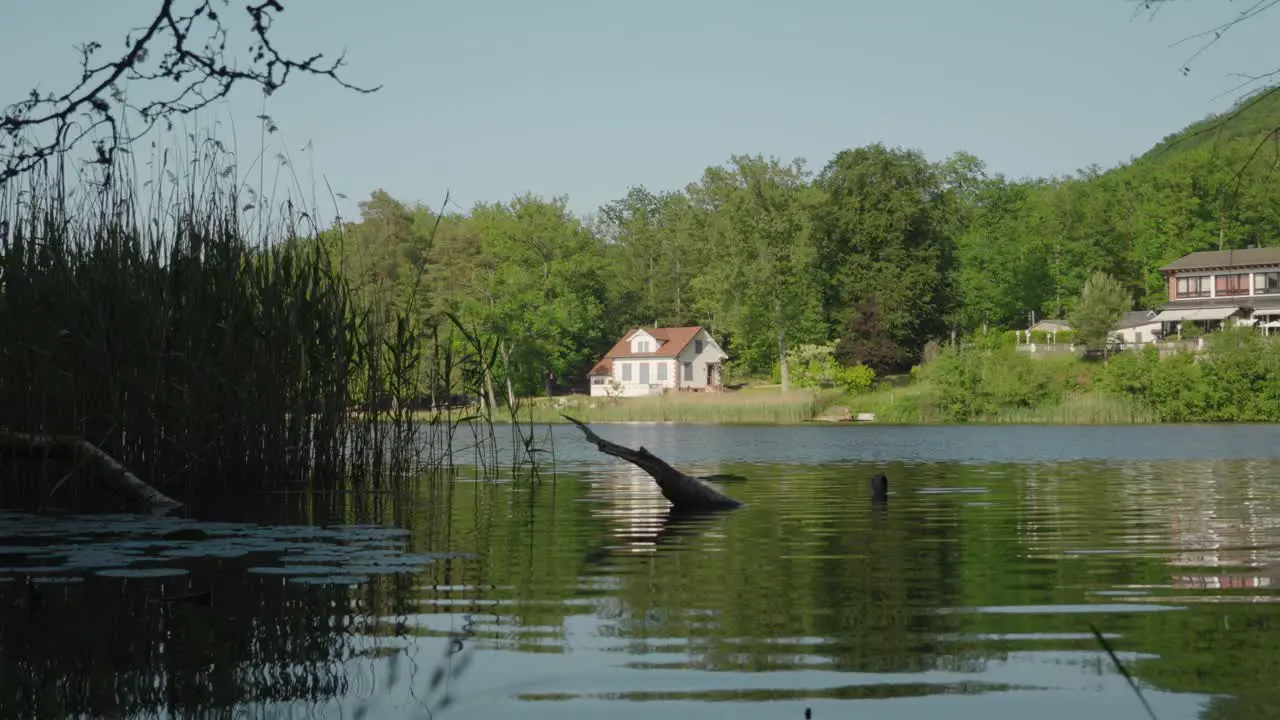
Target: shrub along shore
[{"x": 1236, "y": 378}]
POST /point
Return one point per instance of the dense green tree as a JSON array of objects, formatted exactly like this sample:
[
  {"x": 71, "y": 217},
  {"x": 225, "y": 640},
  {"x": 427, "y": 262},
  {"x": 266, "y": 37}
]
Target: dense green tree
[
  {"x": 888, "y": 227},
  {"x": 763, "y": 273},
  {"x": 1103, "y": 301},
  {"x": 543, "y": 290}
]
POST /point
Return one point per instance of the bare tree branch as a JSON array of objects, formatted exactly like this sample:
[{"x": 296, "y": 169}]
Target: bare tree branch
[
  {"x": 186, "y": 48},
  {"x": 1207, "y": 39}
]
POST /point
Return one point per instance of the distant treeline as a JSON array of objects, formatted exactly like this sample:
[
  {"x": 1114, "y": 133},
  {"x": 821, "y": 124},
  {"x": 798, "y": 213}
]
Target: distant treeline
[{"x": 876, "y": 254}]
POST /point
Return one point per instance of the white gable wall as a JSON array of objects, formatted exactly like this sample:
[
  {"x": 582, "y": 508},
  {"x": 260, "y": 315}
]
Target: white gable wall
[
  {"x": 643, "y": 342},
  {"x": 692, "y": 363},
  {"x": 1138, "y": 334}
]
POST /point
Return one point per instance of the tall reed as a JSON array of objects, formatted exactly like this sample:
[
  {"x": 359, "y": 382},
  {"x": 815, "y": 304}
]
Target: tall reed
[{"x": 204, "y": 350}]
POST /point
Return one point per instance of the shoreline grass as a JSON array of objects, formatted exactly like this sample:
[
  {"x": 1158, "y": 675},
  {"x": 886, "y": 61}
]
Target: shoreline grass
[
  {"x": 755, "y": 406},
  {"x": 908, "y": 404}
]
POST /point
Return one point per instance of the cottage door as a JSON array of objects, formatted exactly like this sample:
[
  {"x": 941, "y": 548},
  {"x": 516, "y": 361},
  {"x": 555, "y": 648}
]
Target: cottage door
[{"x": 644, "y": 373}]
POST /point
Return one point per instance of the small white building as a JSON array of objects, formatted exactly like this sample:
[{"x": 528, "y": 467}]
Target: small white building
[
  {"x": 651, "y": 361},
  {"x": 1138, "y": 327}
]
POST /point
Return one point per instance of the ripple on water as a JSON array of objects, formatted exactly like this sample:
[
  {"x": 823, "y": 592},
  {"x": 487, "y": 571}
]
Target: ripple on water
[{"x": 970, "y": 595}]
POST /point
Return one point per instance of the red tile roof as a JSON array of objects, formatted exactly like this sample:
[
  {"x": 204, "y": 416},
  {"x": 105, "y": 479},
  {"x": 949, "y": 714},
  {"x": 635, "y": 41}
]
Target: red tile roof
[{"x": 671, "y": 342}]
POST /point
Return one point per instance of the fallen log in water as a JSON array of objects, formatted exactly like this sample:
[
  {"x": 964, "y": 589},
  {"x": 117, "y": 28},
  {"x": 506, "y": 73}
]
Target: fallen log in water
[
  {"x": 116, "y": 476},
  {"x": 684, "y": 492}
]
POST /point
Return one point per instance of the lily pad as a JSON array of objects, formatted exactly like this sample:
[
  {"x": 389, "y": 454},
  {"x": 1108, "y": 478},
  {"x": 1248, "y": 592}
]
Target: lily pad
[
  {"x": 57, "y": 579},
  {"x": 329, "y": 579},
  {"x": 142, "y": 573},
  {"x": 32, "y": 569},
  {"x": 206, "y": 551},
  {"x": 100, "y": 562},
  {"x": 23, "y": 550},
  {"x": 291, "y": 570},
  {"x": 381, "y": 569}
]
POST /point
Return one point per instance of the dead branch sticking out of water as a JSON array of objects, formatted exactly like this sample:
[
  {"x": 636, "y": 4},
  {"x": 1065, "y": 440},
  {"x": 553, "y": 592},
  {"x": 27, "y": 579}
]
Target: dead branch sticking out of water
[
  {"x": 685, "y": 492},
  {"x": 114, "y": 474}
]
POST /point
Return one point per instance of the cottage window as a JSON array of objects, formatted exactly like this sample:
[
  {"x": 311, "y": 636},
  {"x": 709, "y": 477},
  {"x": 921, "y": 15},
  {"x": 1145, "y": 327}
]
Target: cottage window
[
  {"x": 1266, "y": 283},
  {"x": 599, "y": 380},
  {"x": 688, "y": 372},
  {"x": 626, "y": 372},
  {"x": 1193, "y": 287},
  {"x": 697, "y": 347},
  {"x": 662, "y": 372},
  {"x": 1234, "y": 284}
]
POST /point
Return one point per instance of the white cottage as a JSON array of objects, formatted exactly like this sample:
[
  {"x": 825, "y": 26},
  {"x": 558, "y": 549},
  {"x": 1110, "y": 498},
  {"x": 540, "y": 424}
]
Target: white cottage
[
  {"x": 1138, "y": 327},
  {"x": 651, "y": 361}
]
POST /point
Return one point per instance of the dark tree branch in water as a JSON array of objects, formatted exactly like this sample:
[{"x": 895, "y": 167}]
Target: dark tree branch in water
[
  {"x": 188, "y": 48},
  {"x": 685, "y": 492},
  {"x": 116, "y": 475}
]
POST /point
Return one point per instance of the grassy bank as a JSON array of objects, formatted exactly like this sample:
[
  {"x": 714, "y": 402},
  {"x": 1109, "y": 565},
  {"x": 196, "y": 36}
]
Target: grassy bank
[{"x": 750, "y": 406}]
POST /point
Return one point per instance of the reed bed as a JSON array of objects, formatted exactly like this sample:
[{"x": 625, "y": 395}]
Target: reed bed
[
  {"x": 1093, "y": 408},
  {"x": 910, "y": 404},
  {"x": 766, "y": 406},
  {"x": 204, "y": 351}
]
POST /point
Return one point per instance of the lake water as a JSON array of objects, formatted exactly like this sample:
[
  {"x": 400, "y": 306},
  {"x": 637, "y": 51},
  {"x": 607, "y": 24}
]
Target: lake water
[{"x": 971, "y": 595}]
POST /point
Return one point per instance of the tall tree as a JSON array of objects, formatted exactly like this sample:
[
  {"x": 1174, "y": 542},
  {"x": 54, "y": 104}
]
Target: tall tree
[
  {"x": 888, "y": 227},
  {"x": 544, "y": 290},
  {"x": 1103, "y": 302},
  {"x": 763, "y": 275}
]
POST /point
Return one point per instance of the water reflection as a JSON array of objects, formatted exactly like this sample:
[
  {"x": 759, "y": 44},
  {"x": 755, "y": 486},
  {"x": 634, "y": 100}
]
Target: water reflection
[{"x": 970, "y": 594}]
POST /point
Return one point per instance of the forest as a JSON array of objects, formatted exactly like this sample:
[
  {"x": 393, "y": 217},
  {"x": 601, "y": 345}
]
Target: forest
[{"x": 871, "y": 256}]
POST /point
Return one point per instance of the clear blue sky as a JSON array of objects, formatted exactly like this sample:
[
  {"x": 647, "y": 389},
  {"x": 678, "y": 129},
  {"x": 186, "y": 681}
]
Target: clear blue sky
[{"x": 491, "y": 98}]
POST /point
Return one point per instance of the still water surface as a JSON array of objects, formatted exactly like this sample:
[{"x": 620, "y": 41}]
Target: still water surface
[{"x": 970, "y": 596}]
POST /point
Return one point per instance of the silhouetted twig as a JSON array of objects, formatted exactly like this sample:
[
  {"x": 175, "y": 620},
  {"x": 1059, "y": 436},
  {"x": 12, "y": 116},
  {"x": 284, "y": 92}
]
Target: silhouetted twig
[{"x": 187, "y": 48}]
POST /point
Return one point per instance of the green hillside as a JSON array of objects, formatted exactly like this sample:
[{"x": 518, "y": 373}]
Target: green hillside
[{"x": 1253, "y": 119}]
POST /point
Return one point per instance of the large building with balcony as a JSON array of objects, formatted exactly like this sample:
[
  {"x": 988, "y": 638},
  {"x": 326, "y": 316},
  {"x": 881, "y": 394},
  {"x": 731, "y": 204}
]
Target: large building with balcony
[{"x": 1222, "y": 286}]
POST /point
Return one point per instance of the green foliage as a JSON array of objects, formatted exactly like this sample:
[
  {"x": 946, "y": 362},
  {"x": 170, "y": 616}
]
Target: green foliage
[
  {"x": 1235, "y": 379},
  {"x": 815, "y": 367},
  {"x": 762, "y": 274},
  {"x": 1044, "y": 336},
  {"x": 1103, "y": 301},
  {"x": 981, "y": 382},
  {"x": 881, "y": 253},
  {"x": 888, "y": 224}
]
